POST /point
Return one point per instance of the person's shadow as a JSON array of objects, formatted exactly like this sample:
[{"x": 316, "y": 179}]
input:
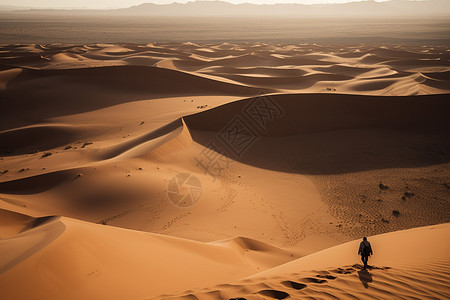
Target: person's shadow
[{"x": 365, "y": 277}]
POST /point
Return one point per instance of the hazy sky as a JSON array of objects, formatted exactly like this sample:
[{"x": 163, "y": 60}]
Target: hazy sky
[{"x": 127, "y": 3}]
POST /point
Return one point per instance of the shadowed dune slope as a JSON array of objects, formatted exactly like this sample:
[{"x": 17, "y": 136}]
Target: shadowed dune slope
[
  {"x": 312, "y": 113},
  {"x": 330, "y": 134}
]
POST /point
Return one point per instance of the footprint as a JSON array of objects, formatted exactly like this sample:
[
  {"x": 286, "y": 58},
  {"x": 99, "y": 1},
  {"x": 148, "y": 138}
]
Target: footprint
[
  {"x": 378, "y": 268},
  {"x": 345, "y": 271},
  {"x": 294, "y": 285},
  {"x": 315, "y": 280},
  {"x": 326, "y": 276},
  {"x": 274, "y": 294}
]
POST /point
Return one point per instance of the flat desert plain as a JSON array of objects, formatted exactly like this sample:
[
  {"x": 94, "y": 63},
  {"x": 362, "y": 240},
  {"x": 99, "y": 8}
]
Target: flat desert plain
[{"x": 221, "y": 171}]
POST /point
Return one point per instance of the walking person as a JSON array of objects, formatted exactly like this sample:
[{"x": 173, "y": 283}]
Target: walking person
[{"x": 365, "y": 250}]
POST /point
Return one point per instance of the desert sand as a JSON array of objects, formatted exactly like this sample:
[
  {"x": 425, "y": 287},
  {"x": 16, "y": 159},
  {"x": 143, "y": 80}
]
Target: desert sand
[{"x": 224, "y": 170}]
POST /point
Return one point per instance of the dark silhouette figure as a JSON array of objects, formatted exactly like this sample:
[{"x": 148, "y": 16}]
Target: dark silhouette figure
[
  {"x": 365, "y": 250},
  {"x": 365, "y": 277}
]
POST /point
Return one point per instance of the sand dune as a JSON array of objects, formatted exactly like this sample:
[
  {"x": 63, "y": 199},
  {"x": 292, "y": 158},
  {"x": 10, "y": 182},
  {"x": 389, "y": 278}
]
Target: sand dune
[
  {"x": 247, "y": 170},
  {"x": 82, "y": 252},
  {"x": 94, "y": 256},
  {"x": 101, "y": 87},
  {"x": 333, "y": 272},
  {"x": 50, "y": 136},
  {"x": 338, "y": 68}
]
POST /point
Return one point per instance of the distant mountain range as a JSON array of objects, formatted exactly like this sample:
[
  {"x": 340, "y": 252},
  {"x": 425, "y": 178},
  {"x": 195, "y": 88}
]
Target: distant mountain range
[
  {"x": 220, "y": 8},
  {"x": 12, "y": 7}
]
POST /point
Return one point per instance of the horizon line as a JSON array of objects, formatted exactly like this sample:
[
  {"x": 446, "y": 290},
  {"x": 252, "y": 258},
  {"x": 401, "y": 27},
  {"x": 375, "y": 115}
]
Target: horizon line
[{"x": 325, "y": 2}]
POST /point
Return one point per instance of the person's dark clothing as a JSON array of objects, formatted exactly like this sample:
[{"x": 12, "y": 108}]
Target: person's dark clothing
[
  {"x": 364, "y": 259},
  {"x": 365, "y": 250}
]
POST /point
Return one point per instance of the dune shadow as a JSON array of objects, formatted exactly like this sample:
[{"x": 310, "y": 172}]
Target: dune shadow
[
  {"x": 365, "y": 277},
  {"x": 328, "y": 134}
]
